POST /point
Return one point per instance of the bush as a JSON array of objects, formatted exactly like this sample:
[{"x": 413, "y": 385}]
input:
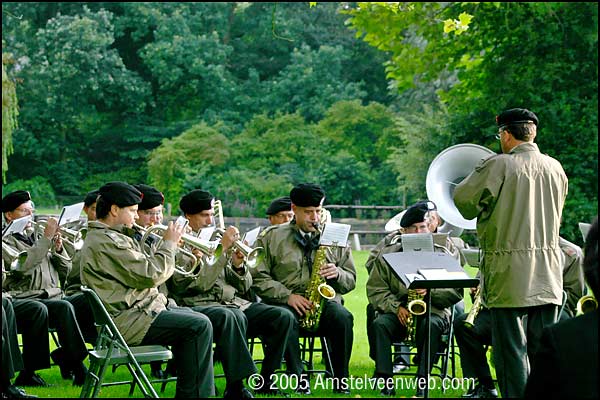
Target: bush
[{"x": 39, "y": 188}]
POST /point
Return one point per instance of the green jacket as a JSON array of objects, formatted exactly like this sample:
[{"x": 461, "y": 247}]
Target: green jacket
[
  {"x": 387, "y": 293},
  {"x": 41, "y": 273},
  {"x": 573, "y": 281},
  {"x": 214, "y": 284},
  {"x": 113, "y": 264},
  {"x": 518, "y": 200},
  {"x": 284, "y": 270}
]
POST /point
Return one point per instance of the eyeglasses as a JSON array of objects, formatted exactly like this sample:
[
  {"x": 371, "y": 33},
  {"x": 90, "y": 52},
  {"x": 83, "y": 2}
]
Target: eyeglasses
[{"x": 152, "y": 213}]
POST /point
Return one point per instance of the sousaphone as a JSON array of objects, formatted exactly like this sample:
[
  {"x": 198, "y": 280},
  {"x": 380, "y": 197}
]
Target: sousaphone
[{"x": 446, "y": 171}]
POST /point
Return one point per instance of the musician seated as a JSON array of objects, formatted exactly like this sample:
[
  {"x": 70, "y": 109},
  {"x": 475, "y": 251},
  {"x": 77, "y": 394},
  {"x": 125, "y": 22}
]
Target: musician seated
[
  {"x": 38, "y": 278},
  {"x": 566, "y": 364},
  {"x": 389, "y": 297},
  {"x": 473, "y": 341},
  {"x": 285, "y": 273},
  {"x": 214, "y": 287}
]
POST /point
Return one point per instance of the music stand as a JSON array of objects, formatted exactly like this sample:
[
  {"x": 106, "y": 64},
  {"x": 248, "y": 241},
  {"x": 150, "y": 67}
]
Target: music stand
[{"x": 428, "y": 270}]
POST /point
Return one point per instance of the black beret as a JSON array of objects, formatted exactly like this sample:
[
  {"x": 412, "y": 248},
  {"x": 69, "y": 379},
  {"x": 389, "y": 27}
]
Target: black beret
[
  {"x": 516, "y": 116},
  {"x": 415, "y": 213},
  {"x": 196, "y": 201},
  {"x": 281, "y": 204},
  {"x": 152, "y": 197},
  {"x": 307, "y": 195},
  {"x": 120, "y": 193},
  {"x": 91, "y": 198},
  {"x": 11, "y": 201}
]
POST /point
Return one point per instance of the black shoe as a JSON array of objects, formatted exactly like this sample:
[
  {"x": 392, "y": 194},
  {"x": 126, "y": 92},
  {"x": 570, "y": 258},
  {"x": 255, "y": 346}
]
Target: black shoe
[
  {"x": 79, "y": 374},
  {"x": 242, "y": 393},
  {"x": 30, "y": 379},
  {"x": 341, "y": 390},
  {"x": 388, "y": 391},
  {"x": 485, "y": 392},
  {"x": 58, "y": 357},
  {"x": 303, "y": 391},
  {"x": 158, "y": 374},
  {"x": 14, "y": 392}
]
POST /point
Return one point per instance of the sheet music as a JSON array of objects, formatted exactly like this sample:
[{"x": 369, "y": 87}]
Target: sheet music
[
  {"x": 16, "y": 226},
  {"x": 417, "y": 242},
  {"x": 206, "y": 233},
  {"x": 70, "y": 213},
  {"x": 251, "y": 236},
  {"x": 584, "y": 228},
  {"x": 442, "y": 274},
  {"x": 413, "y": 277},
  {"x": 335, "y": 234}
]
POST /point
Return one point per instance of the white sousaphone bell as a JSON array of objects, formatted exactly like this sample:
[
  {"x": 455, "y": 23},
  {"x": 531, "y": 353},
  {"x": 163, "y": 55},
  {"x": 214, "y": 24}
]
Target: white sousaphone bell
[{"x": 448, "y": 169}]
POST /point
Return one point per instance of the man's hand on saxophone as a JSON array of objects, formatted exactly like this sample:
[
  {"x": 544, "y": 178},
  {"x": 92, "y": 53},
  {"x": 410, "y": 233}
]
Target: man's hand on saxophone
[
  {"x": 403, "y": 315},
  {"x": 299, "y": 303},
  {"x": 329, "y": 271}
]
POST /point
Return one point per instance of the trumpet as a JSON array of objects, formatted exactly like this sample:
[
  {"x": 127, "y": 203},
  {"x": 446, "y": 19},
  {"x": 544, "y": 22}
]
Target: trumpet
[
  {"x": 252, "y": 256},
  {"x": 212, "y": 248},
  {"x": 586, "y": 304},
  {"x": 18, "y": 257}
]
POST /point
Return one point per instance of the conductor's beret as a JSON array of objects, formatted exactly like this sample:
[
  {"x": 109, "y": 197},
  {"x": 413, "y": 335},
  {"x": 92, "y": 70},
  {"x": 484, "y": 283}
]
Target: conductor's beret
[
  {"x": 281, "y": 204},
  {"x": 13, "y": 200},
  {"x": 196, "y": 201},
  {"x": 516, "y": 116},
  {"x": 120, "y": 193},
  {"x": 415, "y": 213},
  {"x": 91, "y": 198},
  {"x": 152, "y": 197},
  {"x": 307, "y": 195}
]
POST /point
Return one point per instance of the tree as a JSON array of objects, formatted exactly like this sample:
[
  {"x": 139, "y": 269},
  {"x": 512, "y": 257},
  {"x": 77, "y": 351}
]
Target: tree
[{"x": 10, "y": 111}]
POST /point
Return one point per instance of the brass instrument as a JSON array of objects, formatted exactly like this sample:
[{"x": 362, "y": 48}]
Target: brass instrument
[
  {"x": 18, "y": 257},
  {"x": 74, "y": 237},
  {"x": 252, "y": 256},
  {"x": 586, "y": 304},
  {"x": 416, "y": 306},
  {"x": 475, "y": 308},
  {"x": 211, "y": 248},
  {"x": 317, "y": 291}
]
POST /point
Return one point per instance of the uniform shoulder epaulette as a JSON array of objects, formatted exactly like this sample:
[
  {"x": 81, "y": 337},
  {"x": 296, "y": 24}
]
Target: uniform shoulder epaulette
[
  {"x": 119, "y": 240},
  {"x": 267, "y": 230}
]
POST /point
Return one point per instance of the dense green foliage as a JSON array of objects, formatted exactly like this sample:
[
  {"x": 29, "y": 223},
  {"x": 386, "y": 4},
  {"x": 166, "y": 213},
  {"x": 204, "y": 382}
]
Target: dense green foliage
[{"x": 248, "y": 99}]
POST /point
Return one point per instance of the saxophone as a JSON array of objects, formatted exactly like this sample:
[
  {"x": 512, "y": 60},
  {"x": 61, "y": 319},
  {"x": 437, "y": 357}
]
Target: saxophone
[
  {"x": 475, "y": 308},
  {"x": 416, "y": 306},
  {"x": 317, "y": 291}
]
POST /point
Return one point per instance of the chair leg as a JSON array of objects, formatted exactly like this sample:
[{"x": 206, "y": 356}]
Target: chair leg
[{"x": 326, "y": 356}]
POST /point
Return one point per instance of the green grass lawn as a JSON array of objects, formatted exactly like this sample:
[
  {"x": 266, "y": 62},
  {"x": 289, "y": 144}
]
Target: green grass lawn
[{"x": 360, "y": 364}]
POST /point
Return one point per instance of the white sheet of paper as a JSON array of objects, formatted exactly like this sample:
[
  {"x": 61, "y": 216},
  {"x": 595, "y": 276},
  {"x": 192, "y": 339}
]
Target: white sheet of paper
[
  {"x": 70, "y": 213},
  {"x": 251, "y": 236},
  {"x": 417, "y": 242},
  {"x": 442, "y": 274},
  {"x": 584, "y": 228},
  {"x": 17, "y": 225},
  {"x": 206, "y": 233},
  {"x": 335, "y": 234}
]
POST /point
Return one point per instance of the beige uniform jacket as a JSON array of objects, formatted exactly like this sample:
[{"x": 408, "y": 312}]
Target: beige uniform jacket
[
  {"x": 573, "y": 280},
  {"x": 126, "y": 280},
  {"x": 284, "y": 270},
  {"x": 518, "y": 200},
  {"x": 387, "y": 293},
  {"x": 41, "y": 273},
  {"x": 214, "y": 284}
]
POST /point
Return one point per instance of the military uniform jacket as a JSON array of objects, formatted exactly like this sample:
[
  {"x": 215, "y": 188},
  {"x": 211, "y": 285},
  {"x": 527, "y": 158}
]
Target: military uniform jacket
[
  {"x": 518, "y": 200},
  {"x": 41, "y": 273},
  {"x": 215, "y": 284},
  {"x": 113, "y": 264},
  {"x": 573, "y": 280},
  {"x": 284, "y": 270},
  {"x": 387, "y": 293}
]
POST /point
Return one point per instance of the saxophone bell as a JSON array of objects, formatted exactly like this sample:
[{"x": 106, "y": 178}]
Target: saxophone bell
[{"x": 586, "y": 304}]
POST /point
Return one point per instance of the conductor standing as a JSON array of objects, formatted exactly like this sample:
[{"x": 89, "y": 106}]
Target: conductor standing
[{"x": 518, "y": 198}]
